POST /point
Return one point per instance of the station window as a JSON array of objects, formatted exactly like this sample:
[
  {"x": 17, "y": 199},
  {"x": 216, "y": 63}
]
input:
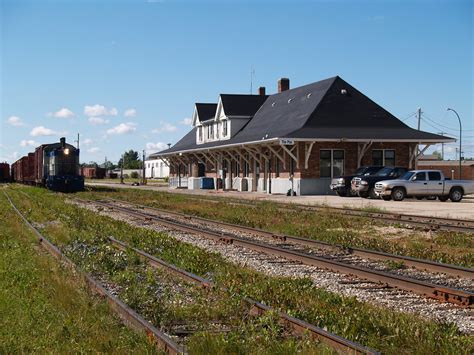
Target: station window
[
  {"x": 211, "y": 131},
  {"x": 224, "y": 129},
  {"x": 200, "y": 133},
  {"x": 383, "y": 157},
  {"x": 331, "y": 162}
]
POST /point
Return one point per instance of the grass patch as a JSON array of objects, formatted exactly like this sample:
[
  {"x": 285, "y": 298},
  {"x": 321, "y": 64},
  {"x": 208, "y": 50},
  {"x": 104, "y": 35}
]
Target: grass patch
[
  {"x": 44, "y": 308},
  {"x": 385, "y": 330}
]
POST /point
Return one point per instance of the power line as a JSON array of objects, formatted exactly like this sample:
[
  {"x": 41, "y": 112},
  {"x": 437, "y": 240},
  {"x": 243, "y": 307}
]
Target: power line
[{"x": 446, "y": 127}]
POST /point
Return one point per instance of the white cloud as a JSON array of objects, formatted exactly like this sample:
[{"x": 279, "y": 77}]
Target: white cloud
[
  {"x": 156, "y": 147},
  {"x": 93, "y": 150},
  {"x": 97, "y": 121},
  {"x": 187, "y": 121},
  {"x": 9, "y": 157},
  {"x": 123, "y": 128},
  {"x": 43, "y": 131},
  {"x": 15, "y": 121},
  {"x": 165, "y": 128},
  {"x": 29, "y": 142},
  {"x": 131, "y": 112},
  {"x": 87, "y": 141},
  {"x": 63, "y": 113},
  {"x": 99, "y": 110}
]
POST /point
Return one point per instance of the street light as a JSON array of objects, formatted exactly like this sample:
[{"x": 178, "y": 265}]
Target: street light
[{"x": 460, "y": 139}]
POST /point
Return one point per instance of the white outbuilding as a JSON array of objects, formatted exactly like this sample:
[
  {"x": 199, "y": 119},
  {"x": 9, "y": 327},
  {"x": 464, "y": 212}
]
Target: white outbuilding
[{"x": 156, "y": 169}]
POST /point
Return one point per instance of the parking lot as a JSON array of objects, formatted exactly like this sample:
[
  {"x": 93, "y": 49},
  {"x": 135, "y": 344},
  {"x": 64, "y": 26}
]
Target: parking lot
[{"x": 463, "y": 209}]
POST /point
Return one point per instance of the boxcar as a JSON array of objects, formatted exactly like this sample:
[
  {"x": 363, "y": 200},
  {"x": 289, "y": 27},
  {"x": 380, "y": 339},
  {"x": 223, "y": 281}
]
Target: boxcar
[{"x": 4, "y": 172}]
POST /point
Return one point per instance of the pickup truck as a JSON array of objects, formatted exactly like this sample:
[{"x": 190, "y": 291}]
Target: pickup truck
[
  {"x": 364, "y": 185},
  {"x": 424, "y": 183},
  {"x": 342, "y": 184}
]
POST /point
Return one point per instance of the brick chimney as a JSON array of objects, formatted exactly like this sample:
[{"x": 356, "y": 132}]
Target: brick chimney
[
  {"x": 283, "y": 84},
  {"x": 261, "y": 90}
]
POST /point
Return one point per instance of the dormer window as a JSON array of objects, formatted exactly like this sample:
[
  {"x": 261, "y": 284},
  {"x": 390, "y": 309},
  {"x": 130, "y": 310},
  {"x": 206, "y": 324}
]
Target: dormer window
[
  {"x": 200, "y": 133},
  {"x": 211, "y": 131},
  {"x": 224, "y": 128}
]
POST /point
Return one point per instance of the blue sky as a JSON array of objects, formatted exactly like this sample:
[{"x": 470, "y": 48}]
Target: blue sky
[{"x": 125, "y": 74}]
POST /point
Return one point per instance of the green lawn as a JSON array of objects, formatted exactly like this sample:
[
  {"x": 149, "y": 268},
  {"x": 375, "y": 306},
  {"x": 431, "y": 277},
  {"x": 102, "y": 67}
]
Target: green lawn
[{"x": 44, "y": 308}]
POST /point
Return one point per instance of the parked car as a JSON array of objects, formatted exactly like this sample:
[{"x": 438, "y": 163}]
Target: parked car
[
  {"x": 342, "y": 184},
  {"x": 364, "y": 185},
  {"x": 423, "y": 183}
]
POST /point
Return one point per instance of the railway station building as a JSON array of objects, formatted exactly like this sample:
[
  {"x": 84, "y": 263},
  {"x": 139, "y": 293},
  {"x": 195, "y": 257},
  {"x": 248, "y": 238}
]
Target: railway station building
[{"x": 295, "y": 140}]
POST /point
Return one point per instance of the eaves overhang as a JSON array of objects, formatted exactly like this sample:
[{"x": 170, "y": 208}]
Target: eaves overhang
[{"x": 278, "y": 140}]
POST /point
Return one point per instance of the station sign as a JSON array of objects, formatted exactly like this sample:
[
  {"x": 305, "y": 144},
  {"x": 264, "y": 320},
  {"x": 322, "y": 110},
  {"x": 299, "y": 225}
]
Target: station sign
[{"x": 287, "y": 142}]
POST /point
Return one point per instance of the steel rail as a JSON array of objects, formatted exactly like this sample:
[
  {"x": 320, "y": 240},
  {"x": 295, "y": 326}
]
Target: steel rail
[
  {"x": 428, "y": 222},
  {"x": 451, "y": 295},
  {"x": 454, "y": 270},
  {"x": 299, "y": 327},
  {"x": 129, "y": 317}
]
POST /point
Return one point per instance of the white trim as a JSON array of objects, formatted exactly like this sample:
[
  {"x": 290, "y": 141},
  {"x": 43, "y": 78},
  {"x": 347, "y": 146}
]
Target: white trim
[
  {"x": 264, "y": 141},
  {"x": 195, "y": 116}
]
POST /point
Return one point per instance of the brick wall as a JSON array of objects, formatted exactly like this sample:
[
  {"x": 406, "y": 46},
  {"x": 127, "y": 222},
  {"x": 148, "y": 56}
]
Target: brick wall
[{"x": 313, "y": 171}]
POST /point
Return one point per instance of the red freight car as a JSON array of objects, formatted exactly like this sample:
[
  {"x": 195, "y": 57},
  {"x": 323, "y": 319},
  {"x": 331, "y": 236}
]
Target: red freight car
[{"x": 4, "y": 172}]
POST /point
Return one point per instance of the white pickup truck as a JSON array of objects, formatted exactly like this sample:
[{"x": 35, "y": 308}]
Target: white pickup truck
[{"x": 424, "y": 183}]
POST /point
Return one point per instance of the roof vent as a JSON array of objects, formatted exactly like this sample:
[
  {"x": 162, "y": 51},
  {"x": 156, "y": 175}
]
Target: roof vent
[{"x": 343, "y": 91}]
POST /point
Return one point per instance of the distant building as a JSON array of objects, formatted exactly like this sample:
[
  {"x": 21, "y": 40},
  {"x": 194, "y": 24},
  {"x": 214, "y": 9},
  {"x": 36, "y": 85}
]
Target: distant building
[
  {"x": 450, "y": 168},
  {"x": 156, "y": 168}
]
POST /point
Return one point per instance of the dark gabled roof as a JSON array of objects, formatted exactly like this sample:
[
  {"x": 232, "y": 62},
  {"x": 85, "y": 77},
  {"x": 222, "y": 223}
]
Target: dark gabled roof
[
  {"x": 328, "y": 109},
  {"x": 242, "y": 105},
  {"x": 284, "y": 112},
  {"x": 206, "y": 111}
]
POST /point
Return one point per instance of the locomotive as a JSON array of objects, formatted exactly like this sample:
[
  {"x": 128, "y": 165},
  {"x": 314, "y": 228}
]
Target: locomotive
[{"x": 54, "y": 166}]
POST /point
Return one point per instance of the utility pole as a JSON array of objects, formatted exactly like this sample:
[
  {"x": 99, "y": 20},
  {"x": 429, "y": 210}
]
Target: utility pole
[
  {"x": 419, "y": 117},
  {"x": 419, "y": 124},
  {"x": 121, "y": 170},
  {"x": 143, "y": 169},
  {"x": 442, "y": 145}
]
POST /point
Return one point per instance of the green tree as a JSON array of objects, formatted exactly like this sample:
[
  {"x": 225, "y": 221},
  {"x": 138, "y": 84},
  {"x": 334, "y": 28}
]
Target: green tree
[
  {"x": 131, "y": 160},
  {"x": 437, "y": 155},
  {"x": 109, "y": 165}
]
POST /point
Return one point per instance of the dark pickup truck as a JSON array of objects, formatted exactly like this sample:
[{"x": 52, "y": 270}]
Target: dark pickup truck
[
  {"x": 342, "y": 184},
  {"x": 364, "y": 186}
]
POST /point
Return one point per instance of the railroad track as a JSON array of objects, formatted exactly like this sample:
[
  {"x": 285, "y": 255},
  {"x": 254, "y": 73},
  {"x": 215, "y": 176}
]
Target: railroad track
[
  {"x": 163, "y": 342},
  {"x": 298, "y": 327},
  {"x": 425, "y": 265},
  {"x": 129, "y": 317},
  {"x": 418, "y": 221},
  {"x": 426, "y": 289}
]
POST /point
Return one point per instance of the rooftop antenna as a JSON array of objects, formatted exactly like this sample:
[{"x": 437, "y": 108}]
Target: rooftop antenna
[{"x": 252, "y": 74}]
